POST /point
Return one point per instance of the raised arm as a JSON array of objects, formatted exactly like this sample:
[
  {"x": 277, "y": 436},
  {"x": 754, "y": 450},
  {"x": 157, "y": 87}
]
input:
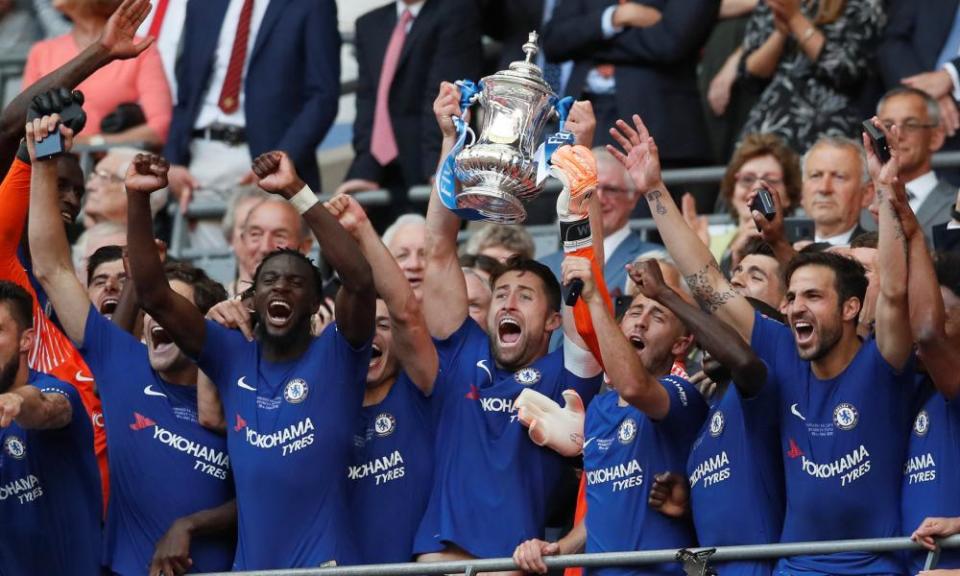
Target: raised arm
[
  {"x": 414, "y": 348},
  {"x": 178, "y": 316},
  {"x": 49, "y": 248},
  {"x": 356, "y": 301},
  {"x": 713, "y": 335},
  {"x": 624, "y": 368},
  {"x": 640, "y": 157},
  {"x": 115, "y": 43},
  {"x": 443, "y": 279},
  {"x": 33, "y": 409},
  {"x": 894, "y": 337}
]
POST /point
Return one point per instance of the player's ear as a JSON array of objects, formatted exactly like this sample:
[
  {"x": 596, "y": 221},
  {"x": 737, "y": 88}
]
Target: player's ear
[
  {"x": 851, "y": 309},
  {"x": 27, "y": 338},
  {"x": 554, "y": 321},
  {"x": 681, "y": 346}
]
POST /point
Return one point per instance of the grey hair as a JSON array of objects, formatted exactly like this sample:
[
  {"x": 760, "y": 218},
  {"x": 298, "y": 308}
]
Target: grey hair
[
  {"x": 514, "y": 238},
  {"x": 839, "y": 142},
  {"x": 603, "y": 156},
  {"x": 400, "y": 222},
  {"x": 933, "y": 109},
  {"x": 305, "y": 233},
  {"x": 230, "y": 216}
]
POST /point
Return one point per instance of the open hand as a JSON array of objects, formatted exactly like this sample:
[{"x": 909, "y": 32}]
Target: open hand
[
  {"x": 147, "y": 174},
  {"x": 277, "y": 174},
  {"x": 348, "y": 212},
  {"x": 639, "y": 154},
  {"x": 560, "y": 429},
  {"x": 233, "y": 314},
  {"x": 576, "y": 168},
  {"x": 41, "y": 128},
  {"x": 118, "y": 34},
  {"x": 936, "y": 83}
]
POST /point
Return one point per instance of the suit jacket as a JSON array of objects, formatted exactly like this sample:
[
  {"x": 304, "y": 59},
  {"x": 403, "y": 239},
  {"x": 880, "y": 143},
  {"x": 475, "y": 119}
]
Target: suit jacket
[
  {"x": 443, "y": 44},
  {"x": 656, "y": 67},
  {"x": 509, "y": 22},
  {"x": 936, "y": 207},
  {"x": 915, "y": 34},
  {"x": 613, "y": 271},
  {"x": 946, "y": 240},
  {"x": 292, "y": 86}
]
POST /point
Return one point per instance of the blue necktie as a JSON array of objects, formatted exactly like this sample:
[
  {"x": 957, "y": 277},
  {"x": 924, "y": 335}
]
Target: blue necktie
[{"x": 951, "y": 48}]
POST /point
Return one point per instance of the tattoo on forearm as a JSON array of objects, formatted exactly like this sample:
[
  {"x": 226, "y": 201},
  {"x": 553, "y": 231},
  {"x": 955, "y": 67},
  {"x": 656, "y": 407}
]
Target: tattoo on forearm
[
  {"x": 709, "y": 297},
  {"x": 655, "y": 196}
]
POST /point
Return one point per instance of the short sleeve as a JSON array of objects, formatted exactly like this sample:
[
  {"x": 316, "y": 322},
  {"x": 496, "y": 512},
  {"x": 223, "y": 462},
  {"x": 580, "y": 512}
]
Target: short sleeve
[
  {"x": 687, "y": 408},
  {"x": 104, "y": 344},
  {"x": 51, "y": 385},
  {"x": 772, "y": 342},
  {"x": 450, "y": 350}
]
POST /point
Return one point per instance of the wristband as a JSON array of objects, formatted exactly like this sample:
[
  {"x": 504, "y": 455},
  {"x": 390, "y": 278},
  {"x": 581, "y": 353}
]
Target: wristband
[
  {"x": 97, "y": 140},
  {"x": 304, "y": 199},
  {"x": 807, "y": 35},
  {"x": 575, "y": 235}
]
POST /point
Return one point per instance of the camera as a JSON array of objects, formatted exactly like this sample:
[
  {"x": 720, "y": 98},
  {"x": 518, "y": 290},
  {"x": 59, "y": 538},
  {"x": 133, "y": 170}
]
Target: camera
[
  {"x": 878, "y": 140},
  {"x": 763, "y": 203}
]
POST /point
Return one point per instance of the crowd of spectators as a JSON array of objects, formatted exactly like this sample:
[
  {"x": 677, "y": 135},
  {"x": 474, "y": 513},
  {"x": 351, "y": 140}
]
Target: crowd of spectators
[{"x": 434, "y": 391}]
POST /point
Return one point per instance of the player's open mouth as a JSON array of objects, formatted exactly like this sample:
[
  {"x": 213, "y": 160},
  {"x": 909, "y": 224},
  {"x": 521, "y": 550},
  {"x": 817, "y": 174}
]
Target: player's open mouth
[
  {"x": 159, "y": 337},
  {"x": 278, "y": 312},
  {"x": 108, "y": 306},
  {"x": 375, "y": 355},
  {"x": 637, "y": 343},
  {"x": 415, "y": 281},
  {"x": 67, "y": 217},
  {"x": 803, "y": 330},
  {"x": 509, "y": 331}
]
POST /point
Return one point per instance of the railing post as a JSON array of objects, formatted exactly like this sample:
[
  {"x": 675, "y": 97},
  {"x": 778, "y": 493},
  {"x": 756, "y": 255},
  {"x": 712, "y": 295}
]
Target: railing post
[{"x": 933, "y": 558}]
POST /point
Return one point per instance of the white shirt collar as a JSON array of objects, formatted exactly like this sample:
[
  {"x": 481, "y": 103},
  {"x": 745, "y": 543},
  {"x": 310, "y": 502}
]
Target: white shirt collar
[
  {"x": 921, "y": 187},
  {"x": 842, "y": 239},
  {"x": 613, "y": 241},
  {"x": 413, "y": 8}
]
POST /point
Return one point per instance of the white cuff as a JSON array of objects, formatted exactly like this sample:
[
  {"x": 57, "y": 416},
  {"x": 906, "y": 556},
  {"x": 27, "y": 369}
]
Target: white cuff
[
  {"x": 951, "y": 225},
  {"x": 606, "y": 23},
  {"x": 579, "y": 361},
  {"x": 304, "y": 199},
  {"x": 954, "y": 78}
]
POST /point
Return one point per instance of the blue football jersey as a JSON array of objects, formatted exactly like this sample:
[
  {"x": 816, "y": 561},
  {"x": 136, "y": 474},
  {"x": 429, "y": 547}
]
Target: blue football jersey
[
  {"x": 736, "y": 477},
  {"x": 491, "y": 482},
  {"x": 163, "y": 464},
  {"x": 391, "y": 473},
  {"x": 623, "y": 450},
  {"x": 931, "y": 476},
  {"x": 290, "y": 428},
  {"x": 844, "y": 441},
  {"x": 50, "y": 502}
]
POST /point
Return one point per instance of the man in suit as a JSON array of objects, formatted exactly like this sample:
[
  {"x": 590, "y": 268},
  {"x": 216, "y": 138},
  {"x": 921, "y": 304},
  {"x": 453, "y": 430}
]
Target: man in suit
[
  {"x": 621, "y": 246},
  {"x": 252, "y": 76},
  {"x": 836, "y": 187},
  {"x": 634, "y": 58},
  {"x": 921, "y": 48},
  {"x": 921, "y": 134},
  {"x": 404, "y": 50}
]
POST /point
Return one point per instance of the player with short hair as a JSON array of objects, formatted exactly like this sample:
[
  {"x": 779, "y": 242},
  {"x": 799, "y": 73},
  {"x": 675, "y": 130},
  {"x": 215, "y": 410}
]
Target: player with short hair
[
  {"x": 491, "y": 482},
  {"x": 291, "y": 399},
  {"x": 164, "y": 465},
  {"x": 843, "y": 401},
  {"x": 50, "y": 501}
]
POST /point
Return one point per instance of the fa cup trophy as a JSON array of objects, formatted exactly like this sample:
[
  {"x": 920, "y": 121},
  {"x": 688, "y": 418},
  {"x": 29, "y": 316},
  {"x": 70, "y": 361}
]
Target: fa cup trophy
[{"x": 502, "y": 168}]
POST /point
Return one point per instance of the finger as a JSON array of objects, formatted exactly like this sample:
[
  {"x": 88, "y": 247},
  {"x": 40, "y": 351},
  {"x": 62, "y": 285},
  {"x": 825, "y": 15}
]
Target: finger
[
  {"x": 624, "y": 135},
  {"x": 620, "y": 156},
  {"x": 642, "y": 132}
]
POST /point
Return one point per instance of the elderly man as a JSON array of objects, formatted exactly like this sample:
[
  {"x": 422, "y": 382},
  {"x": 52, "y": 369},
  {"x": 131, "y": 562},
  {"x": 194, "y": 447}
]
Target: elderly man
[
  {"x": 270, "y": 225},
  {"x": 621, "y": 245},
  {"x": 105, "y": 199},
  {"x": 836, "y": 186},
  {"x": 921, "y": 135},
  {"x": 405, "y": 239}
]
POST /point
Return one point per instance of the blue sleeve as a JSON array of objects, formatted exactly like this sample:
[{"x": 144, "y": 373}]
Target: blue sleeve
[
  {"x": 773, "y": 343},
  {"x": 220, "y": 345},
  {"x": 760, "y": 411},
  {"x": 687, "y": 409},
  {"x": 450, "y": 350},
  {"x": 587, "y": 388},
  {"x": 50, "y": 385},
  {"x": 107, "y": 349}
]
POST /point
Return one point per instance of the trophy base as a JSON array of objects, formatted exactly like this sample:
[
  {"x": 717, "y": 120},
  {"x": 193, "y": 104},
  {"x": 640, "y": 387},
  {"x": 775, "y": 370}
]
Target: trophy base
[{"x": 493, "y": 204}]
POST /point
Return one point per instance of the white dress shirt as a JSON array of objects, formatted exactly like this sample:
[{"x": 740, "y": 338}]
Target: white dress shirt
[
  {"x": 921, "y": 187},
  {"x": 210, "y": 112},
  {"x": 613, "y": 241},
  {"x": 842, "y": 239},
  {"x": 413, "y": 7},
  {"x": 168, "y": 43}
]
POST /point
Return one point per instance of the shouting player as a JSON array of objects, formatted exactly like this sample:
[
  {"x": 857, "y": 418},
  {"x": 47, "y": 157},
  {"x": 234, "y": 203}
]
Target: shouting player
[
  {"x": 291, "y": 399},
  {"x": 148, "y": 392},
  {"x": 484, "y": 457},
  {"x": 843, "y": 401}
]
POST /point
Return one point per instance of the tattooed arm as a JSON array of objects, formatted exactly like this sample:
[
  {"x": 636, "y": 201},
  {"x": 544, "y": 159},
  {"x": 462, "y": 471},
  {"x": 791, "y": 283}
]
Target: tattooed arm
[{"x": 707, "y": 283}]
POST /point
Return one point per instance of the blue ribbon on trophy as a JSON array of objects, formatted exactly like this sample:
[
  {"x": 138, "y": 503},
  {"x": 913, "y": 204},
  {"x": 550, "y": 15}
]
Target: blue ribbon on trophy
[
  {"x": 446, "y": 179},
  {"x": 561, "y": 138}
]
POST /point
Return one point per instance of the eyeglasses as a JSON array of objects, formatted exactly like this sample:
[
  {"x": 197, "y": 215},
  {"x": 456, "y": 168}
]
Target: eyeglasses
[
  {"x": 748, "y": 180},
  {"x": 908, "y": 125},
  {"x": 108, "y": 176}
]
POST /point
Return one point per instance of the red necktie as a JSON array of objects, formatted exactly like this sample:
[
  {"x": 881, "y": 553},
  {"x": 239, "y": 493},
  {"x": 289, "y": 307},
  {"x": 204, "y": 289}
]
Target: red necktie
[
  {"x": 383, "y": 142},
  {"x": 157, "y": 21},
  {"x": 230, "y": 94}
]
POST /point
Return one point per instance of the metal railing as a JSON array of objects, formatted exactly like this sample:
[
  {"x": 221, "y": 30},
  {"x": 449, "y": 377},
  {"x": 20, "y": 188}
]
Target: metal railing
[{"x": 722, "y": 554}]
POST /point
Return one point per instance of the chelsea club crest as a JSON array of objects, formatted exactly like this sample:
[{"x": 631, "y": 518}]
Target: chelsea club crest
[
  {"x": 627, "y": 431},
  {"x": 716, "y": 424},
  {"x": 845, "y": 416},
  {"x": 14, "y": 447},
  {"x": 384, "y": 424},
  {"x": 295, "y": 391},
  {"x": 527, "y": 376},
  {"x": 922, "y": 424}
]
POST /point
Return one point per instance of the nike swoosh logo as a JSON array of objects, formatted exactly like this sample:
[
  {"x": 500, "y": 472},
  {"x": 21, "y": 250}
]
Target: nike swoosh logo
[
  {"x": 796, "y": 412},
  {"x": 588, "y": 441},
  {"x": 80, "y": 377},
  {"x": 244, "y": 385},
  {"x": 483, "y": 365},
  {"x": 149, "y": 391}
]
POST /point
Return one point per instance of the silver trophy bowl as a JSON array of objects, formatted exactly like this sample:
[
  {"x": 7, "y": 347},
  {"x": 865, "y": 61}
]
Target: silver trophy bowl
[{"x": 498, "y": 172}]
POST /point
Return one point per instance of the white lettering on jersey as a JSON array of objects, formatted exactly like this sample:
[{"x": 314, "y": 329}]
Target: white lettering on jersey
[
  {"x": 208, "y": 460},
  {"x": 713, "y": 470},
  {"x": 849, "y": 467},
  {"x": 292, "y": 438},
  {"x": 920, "y": 469},
  {"x": 384, "y": 469},
  {"x": 502, "y": 405},
  {"x": 623, "y": 476},
  {"x": 25, "y": 489}
]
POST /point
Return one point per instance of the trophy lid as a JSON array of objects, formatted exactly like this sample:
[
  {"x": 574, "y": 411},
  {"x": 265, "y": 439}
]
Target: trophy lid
[{"x": 526, "y": 71}]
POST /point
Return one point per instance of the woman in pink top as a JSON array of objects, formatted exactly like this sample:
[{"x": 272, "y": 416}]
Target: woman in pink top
[{"x": 139, "y": 80}]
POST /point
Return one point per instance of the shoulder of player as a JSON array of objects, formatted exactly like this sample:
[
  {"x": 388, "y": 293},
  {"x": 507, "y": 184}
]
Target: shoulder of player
[{"x": 681, "y": 388}]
